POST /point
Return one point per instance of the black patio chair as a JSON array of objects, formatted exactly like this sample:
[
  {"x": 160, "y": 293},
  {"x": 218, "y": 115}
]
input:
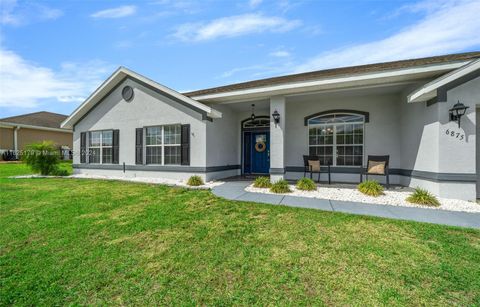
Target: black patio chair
[
  {"x": 308, "y": 168},
  {"x": 371, "y": 161}
]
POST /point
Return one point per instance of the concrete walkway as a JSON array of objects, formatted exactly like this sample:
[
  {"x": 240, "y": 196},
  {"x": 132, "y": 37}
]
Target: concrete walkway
[{"x": 235, "y": 190}]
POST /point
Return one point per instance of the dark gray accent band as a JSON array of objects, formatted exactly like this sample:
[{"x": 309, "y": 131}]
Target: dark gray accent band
[
  {"x": 438, "y": 177},
  {"x": 442, "y": 91},
  {"x": 156, "y": 90},
  {"x": 462, "y": 177},
  {"x": 365, "y": 114},
  {"x": 277, "y": 171},
  {"x": 159, "y": 168}
]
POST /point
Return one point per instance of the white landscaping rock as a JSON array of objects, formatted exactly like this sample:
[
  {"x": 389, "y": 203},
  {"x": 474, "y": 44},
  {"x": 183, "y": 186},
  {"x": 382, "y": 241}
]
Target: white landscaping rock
[
  {"x": 169, "y": 182},
  {"x": 393, "y": 198}
]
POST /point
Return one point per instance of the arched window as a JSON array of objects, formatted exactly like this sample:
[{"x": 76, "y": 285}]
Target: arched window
[
  {"x": 337, "y": 138},
  {"x": 258, "y": 122}
]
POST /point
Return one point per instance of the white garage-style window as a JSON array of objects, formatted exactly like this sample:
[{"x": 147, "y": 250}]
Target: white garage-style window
[
  {"x": 337, "y": 138},
  {"x": 163, "y": 145},
  {"x": 101, "y": 147}
]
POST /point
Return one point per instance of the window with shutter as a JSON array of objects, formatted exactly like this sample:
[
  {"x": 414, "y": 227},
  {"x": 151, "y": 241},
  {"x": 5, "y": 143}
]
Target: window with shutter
[
  {"x": 83, "y": 147},
  {"x": 185, "y": 147},
  {"x": 139, "y": 146}
]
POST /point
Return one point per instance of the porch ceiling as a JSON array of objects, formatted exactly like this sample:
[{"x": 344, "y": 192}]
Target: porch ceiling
[{"x": 262, "y": 104}]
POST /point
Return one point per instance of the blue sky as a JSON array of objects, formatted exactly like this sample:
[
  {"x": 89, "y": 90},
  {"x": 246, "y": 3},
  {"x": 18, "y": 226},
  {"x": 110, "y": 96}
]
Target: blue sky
[{"x": 53, "y": 54}]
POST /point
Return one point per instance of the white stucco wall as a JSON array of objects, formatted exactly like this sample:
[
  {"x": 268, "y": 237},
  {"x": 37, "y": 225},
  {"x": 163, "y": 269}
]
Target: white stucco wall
[
  {"x": 148, "y": 108},
  {"x": 222, "y": 138},
  {"x": 380, "y": 136},
  {"x": 425, "y": 145}
]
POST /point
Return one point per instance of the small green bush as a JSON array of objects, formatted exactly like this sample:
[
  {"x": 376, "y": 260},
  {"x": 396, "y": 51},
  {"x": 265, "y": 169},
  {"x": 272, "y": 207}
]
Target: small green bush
[
  {"x": 423, "y": 197},
  {"x": 42, "y": 157},
  {"x": 371, "y": 188},
  {"x": 280, "y": 186},
  {"x": 262, "y": 182},
  {"x": 306, "y": 184},
  {"x": 60, "y": 172},
  {"x": 195, "y": 181}
]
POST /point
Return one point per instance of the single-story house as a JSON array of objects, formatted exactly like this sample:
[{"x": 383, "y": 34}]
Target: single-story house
[
  {"x": 16, "y": 132},
  {"x": 134, "y": 126}
]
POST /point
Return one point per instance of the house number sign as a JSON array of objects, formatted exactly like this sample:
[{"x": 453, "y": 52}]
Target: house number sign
[{"x": 455, "y": 134}]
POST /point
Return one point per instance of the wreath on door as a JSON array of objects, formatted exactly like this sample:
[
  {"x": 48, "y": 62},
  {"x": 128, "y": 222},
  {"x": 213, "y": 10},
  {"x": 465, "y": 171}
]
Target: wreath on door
[{"x": 260, "y": 146}]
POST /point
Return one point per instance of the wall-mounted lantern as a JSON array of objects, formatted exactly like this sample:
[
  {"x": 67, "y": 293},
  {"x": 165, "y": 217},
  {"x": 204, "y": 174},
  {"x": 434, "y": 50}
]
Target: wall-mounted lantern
[
  {"x": 253, "y": 112},
  {"x": 457, "y": 112},
  {"x": 276, "y": 117}
]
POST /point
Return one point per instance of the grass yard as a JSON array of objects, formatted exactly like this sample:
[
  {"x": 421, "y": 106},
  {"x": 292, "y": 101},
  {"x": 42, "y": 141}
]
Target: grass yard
[{"x": 71, "y": 241}]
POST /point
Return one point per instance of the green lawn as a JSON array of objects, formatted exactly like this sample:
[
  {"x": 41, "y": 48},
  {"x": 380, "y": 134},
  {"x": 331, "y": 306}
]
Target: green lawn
[{"x": 72, "y": 241}]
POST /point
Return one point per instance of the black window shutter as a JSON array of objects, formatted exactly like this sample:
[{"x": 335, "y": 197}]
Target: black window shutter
[
  {"x": 185, "y": 144},
  {"x": 83, "y": 147},
  {"x": 115, "y": 145},
  {"x": 139, "y": 146}
]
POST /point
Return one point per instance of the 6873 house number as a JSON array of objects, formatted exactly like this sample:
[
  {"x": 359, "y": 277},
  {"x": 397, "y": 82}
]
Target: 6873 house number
[{"x": 454, "y": 134}]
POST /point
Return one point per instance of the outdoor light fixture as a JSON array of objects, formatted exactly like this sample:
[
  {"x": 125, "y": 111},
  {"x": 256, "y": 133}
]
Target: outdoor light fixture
[
  {"x": 253, "y": 112},
  {"x": 276, "y": 117},
  {"x": 457, "y": 112}
]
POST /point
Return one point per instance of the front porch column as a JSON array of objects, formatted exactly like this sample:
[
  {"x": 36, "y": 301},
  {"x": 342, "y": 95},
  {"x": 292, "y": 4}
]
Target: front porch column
[{"x": 277, "y": 139}]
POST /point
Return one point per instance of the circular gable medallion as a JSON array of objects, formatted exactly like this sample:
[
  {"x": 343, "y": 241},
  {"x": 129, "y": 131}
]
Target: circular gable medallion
[{"x": 127, "y": 93}]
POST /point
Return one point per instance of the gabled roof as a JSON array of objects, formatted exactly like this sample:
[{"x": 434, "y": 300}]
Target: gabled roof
[
  {"x": 429, "y": 90},
  {"x": 38, "y": 119},
  {"x": 116, "y": 78},
  {"x": 334, "y": 74}
]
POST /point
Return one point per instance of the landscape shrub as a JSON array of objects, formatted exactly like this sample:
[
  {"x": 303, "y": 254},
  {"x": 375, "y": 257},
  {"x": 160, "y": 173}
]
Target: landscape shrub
[
  {"x": 423, "y": 197},
  {"x": 195, "y": 181},
  {"x": 42, "y": 157},
  {"x": 306, "y": 184},
  {"x": 280, "y": 186},
  {"x": 371, "y": 188},
  {"x": 262, "y": 182}
]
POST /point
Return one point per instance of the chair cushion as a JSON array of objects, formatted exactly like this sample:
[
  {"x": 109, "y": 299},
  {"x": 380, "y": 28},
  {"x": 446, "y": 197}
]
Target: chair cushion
[
  {"x": 376, "y": 167},
  {"x": 314, "y": 165}
]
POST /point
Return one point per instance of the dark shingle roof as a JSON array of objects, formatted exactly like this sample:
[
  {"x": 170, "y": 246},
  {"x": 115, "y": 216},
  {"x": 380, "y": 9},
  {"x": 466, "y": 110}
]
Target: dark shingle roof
[
  {"x": 337, "y": 72},
  {"x": 41, "y": 119}
]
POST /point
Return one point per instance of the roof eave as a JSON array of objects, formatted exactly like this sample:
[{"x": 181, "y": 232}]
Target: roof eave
[
  {"x": 331, "y": 83},
  {"x": 429, "y": 90},
  {"x": 14, "y": 125},
  {"x": 117, "y": 77}
]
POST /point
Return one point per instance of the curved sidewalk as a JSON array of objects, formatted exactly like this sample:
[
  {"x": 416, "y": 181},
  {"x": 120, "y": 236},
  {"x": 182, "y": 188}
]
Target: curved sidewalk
[{"x": 235, "y": 190}]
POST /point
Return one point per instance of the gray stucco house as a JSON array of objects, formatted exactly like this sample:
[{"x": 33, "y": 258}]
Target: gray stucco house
[{"x": 133, "y": 126}]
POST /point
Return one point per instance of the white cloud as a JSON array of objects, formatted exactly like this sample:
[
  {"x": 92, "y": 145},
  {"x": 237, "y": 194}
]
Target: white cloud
[
  {"x": 280, "y": 54},
  {"x": 233, "y": 26},
  {"x": 117, "y": 12},
  {"x": 447, "y": 27},
  {"x": 254, "y": 3},
  {"x": 14, "y": 14},
  {"x": 24, "y": 84}
]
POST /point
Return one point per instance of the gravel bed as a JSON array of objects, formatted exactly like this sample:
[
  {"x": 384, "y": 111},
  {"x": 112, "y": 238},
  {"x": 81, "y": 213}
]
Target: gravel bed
[
  {"x": 169, "y": 182},
  {"x": 391, "y": 197}
]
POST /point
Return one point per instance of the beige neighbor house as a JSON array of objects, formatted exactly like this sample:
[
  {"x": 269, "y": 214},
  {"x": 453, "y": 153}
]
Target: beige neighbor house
[
  {"x": 133, "y": 126},
  {"x": 16, "y": 132}
]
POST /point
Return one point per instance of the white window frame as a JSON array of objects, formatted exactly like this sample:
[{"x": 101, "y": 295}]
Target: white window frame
[
  {"x": 101, "y": 146},
  {"x": 334, "y": 145},
  {"x": 163, "y": 145}
]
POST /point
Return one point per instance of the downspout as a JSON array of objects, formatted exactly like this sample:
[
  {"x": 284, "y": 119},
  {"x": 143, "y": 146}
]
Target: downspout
[{"x": 15, "y": 141}]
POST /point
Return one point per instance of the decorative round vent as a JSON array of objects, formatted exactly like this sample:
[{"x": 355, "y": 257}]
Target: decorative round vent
[{"x": 127, "y": 93}]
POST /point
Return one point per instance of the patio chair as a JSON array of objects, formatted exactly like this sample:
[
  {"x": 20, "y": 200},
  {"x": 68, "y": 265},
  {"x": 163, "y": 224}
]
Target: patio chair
[
  {"x": 376, "y": 166},
  {"x": 312, "y": 166}
]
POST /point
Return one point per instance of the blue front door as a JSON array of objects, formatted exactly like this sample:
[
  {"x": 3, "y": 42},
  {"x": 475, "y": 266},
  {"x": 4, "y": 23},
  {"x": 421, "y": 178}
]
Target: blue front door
[{"x": 260, "y": 152}]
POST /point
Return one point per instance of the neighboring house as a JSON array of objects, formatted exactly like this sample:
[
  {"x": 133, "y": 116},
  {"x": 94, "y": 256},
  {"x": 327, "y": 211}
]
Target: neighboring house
[
  {"x": 16, "y": 132},
  {"x": 133, "y": 126}
]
